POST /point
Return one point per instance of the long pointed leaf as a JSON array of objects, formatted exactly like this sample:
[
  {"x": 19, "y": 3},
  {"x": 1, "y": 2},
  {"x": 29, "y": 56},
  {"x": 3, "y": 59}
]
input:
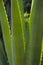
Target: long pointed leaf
[
  {"x": 18, "y": 40},
  {"x": 3, "y": 58},
  {"x": 34, "y": 46},
  {"x": 6, "y": 31}
]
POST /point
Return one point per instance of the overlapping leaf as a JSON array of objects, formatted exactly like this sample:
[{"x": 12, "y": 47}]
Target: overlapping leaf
[
  {"x": 34, "y": 46},
  {"x": 6, "y": 31},
  {"x": 18, "y": 28}
]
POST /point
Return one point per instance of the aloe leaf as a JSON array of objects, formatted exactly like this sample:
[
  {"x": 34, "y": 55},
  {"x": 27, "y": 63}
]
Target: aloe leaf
[
  {"x": 18, "y": 28},
  {"x": 41, "y": 57},
  {"x": 42, "y": 60},
  {"x": 42, "y": 45},
  {"x": 3, "y": 59},
  {"x": 20, "y": 2},
  {"x": 6, "y": 31},
  {"x": 34, "y": 46},
  {"x": 1, "y": 53}
]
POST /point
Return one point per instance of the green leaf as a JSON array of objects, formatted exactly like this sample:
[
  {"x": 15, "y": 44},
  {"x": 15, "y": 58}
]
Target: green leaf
[
  {"x": 34, "y": 46},
  {"x": 3, "y": 58},
  {"x": 41, "y": 53},
  {"x": 6, "y": 31},
  {"x": 18, "y": 29}
]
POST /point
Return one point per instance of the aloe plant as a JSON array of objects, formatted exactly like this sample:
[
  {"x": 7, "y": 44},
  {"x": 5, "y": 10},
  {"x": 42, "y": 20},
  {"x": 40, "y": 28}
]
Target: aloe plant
[{"x": 24, "y": 46}]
